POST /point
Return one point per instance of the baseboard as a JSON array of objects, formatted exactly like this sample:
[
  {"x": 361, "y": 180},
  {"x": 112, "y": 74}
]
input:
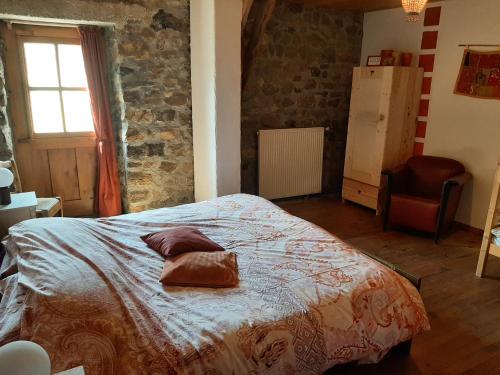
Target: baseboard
[{"x": 468, "y": 228}]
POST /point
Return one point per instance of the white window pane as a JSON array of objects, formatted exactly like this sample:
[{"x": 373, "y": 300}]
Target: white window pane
[
  {"x": 46, "y": 112},
  {"x": 77, "y": 111},
  {"x": 41, "y": 64},
  {"x": 71, "y": 66}
]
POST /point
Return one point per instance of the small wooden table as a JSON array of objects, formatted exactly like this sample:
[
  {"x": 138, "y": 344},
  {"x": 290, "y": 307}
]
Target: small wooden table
[{"x": 22, "y": 207}]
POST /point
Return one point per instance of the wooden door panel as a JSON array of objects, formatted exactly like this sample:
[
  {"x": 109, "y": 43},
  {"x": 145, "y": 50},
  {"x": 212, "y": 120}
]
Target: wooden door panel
[
  {"x": 82, "y": 207},
  {"x": 68, "y": 172},
  {"x": 363, "y": 150},
  {"x": 39, "y": 180},
  {"x": 366, "y": 126},
  {"x": 86, "y": 160},
  {"x": 402, "y": 123},
  {"x": 64, "y": 174},
  {"x": 34, "y": 171}
]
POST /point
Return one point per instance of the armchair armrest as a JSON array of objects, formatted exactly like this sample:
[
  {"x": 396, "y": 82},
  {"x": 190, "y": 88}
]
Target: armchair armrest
[
  {"x": 459, "y": 180},
  {"x": 397, "y": 178},
  {"x": 395, "y": 170},
  {"x": 450, "y": 198}
]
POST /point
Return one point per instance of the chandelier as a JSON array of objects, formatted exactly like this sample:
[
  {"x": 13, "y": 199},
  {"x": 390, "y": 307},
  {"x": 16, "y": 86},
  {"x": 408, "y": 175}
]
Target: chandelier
[{"x": 413, "y": 8}]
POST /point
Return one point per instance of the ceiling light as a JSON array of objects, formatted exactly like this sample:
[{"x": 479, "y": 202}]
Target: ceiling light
[{"x": 413, "y": 8}]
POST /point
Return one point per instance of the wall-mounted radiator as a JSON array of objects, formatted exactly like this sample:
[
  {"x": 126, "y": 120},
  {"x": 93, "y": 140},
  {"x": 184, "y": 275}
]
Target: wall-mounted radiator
[{"x": 290, "y": 162}]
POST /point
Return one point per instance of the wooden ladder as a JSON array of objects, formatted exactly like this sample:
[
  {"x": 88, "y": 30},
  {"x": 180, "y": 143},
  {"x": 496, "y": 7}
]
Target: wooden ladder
[{"x": 488, "y": 247}]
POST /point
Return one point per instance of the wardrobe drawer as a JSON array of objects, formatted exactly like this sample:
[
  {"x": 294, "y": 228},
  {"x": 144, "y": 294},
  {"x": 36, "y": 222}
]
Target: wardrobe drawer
[
  {"x": 361, "y": 188},
  {"x": 364, "y": 194}
]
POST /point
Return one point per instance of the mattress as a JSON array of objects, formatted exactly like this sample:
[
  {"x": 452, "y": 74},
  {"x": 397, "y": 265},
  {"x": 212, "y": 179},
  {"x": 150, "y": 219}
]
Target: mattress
[{"x": 87, "y": 290}]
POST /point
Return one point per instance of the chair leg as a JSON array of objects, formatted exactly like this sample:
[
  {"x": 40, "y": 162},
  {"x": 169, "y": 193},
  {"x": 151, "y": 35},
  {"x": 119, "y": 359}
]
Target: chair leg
[
  {"x": 445, "y": 196},
  {"x": 61, "y": 202},
  {"x": 385, "y": 219}
]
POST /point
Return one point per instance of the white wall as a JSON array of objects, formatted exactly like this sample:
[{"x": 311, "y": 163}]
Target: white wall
[
  {"x": 203, "y": 98},
  {"x": 228, "y": 16},
  {"x": 216, "y": 96},
  {"x": 389, "y": 29},
  {"x": 462, "y": 128}
]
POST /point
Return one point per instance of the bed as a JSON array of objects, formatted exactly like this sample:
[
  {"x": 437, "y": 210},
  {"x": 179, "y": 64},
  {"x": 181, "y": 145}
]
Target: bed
[{"x": 87, "y": 290}]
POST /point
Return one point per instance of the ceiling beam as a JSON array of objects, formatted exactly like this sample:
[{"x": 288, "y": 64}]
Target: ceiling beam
[
  {"x": 259, "y": 15},
  {"x": 247, "y": 6}
]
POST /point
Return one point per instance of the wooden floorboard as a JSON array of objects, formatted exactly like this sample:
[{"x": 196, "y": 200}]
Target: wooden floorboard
[{"x": 464, "y": 311}]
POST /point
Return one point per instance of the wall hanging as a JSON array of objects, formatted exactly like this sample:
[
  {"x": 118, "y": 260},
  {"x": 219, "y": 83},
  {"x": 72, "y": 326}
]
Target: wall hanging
[{"x": 479, "y": 75}]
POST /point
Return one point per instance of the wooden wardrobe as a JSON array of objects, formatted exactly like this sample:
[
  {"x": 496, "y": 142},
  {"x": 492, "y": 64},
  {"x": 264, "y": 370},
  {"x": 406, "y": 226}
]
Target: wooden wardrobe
[{"x": 381, "y": 133}]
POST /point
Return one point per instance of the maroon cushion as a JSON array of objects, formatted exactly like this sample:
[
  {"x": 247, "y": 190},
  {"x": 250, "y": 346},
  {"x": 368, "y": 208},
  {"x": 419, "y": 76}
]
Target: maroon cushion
[
  {"x": 414, "y": 212},
  {"x": 428, "y": 173},
  {"x": 178, "y": 240}
]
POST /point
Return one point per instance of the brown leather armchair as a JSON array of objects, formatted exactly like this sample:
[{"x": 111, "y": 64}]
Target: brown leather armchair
[{"x": 424, "y": 194}]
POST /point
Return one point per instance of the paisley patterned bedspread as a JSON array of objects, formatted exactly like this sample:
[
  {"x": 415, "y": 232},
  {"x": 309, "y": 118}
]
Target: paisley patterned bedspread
[{"x": 87, "y": 290}]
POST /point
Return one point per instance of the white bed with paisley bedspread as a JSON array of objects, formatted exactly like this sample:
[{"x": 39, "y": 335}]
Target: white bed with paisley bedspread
[{"x": 87, "y": 290}]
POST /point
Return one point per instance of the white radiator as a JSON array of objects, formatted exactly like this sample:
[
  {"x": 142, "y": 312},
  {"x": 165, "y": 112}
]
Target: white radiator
[{"x": 290, "y": 162}]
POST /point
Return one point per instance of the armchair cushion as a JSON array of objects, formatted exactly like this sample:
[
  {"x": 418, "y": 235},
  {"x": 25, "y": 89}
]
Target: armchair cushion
[
  {"x": 414, "y": 212},
  {"x": 429, "y": 173}
]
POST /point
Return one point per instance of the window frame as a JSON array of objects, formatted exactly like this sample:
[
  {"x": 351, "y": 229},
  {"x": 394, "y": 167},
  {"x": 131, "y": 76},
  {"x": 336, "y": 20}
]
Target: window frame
[{"x": 55, "y": 36}]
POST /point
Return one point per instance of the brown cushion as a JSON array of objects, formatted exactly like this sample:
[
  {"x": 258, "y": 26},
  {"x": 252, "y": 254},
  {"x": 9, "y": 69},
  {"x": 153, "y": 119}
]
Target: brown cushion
[
  {"x": 211, "y": 270},
  {"x": 428, "y": 173},
  {"x": 178, "y": 240},
  {"x": 414, "y": 212}
]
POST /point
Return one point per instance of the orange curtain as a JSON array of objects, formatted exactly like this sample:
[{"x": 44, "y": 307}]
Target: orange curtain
[{"x": 108, "y": 196}]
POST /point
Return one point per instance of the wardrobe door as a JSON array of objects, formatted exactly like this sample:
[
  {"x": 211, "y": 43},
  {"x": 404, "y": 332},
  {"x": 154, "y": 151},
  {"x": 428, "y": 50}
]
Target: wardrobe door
[
  {"x": 402, "y": 119},
  {"x": 367, "y": 124}
]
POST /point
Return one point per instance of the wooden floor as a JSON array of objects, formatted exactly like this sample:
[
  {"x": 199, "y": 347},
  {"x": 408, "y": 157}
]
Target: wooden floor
[{"x": 464, "y": 310}]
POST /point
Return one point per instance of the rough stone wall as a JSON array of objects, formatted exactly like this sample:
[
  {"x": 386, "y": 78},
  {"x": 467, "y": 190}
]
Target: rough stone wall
[
  {"x": 6, "y": 150},
  {"x": 151, "y": 90},
  {"x": 301, "y": 77},
  {"x": 154, "y": 71}
]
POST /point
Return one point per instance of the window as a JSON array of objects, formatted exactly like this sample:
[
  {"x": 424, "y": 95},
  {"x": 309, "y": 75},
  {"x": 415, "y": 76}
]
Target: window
[{"x": 56, "y": 87}]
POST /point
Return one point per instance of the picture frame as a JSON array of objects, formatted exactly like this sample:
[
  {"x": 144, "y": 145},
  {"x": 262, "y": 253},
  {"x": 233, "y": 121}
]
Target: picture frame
[{"x": 373, "y": 61}]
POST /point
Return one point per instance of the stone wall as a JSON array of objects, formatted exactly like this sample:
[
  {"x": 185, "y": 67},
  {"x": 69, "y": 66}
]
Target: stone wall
[
  {"x": 154, "y": 70},
  {"x": 151, "y": 90},
  {"x": 6, "y": 150},
  {"x": 301, "y": 77}
]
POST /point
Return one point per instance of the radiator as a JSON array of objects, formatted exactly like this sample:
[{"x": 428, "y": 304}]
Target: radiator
[{"x": 290, "y": 162}]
